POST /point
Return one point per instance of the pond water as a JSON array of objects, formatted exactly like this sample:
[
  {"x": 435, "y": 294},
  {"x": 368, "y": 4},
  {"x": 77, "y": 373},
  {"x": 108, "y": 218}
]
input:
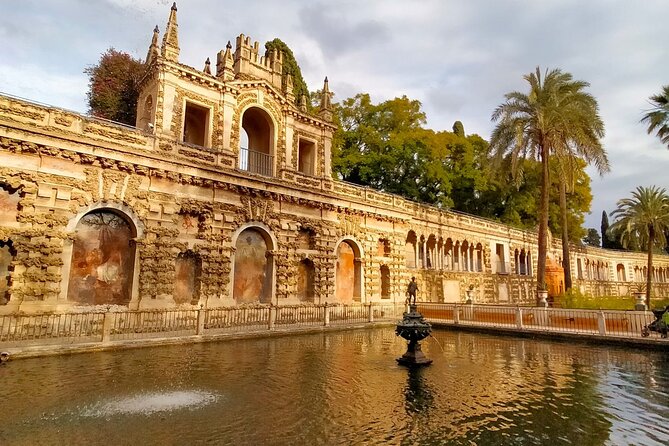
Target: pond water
[{"x": 341, "y": 388}]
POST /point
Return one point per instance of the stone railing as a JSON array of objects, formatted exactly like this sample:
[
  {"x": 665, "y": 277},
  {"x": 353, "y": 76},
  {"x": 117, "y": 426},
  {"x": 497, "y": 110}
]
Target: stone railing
[
  {"x": 612, "y": 324},
  {"x": 90, "y": 329}
]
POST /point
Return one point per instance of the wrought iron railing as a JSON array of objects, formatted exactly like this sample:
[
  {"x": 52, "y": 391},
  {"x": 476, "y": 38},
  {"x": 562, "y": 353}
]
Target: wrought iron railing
[
  {"x": 256, "y": 162},
  {"x": 18, "y": 330},
  {"x": 611, "y": 323}
]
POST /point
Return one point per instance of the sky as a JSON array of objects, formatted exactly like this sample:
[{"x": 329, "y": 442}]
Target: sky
[{"x": 458, "y": 58}]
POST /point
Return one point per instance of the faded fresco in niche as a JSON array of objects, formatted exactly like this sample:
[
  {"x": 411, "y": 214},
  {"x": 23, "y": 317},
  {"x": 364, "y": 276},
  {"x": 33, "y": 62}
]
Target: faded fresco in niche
[
  {"x": 252, "y": 281},
  {"x": 7, "y": 254},
  {"x": 9, "y": 205},
  {"x": 103, "y": 257},
  {"x": 187, "y": 278},
  {"x": 345, "y": 285},
  {"x": 305, "y": 281}
]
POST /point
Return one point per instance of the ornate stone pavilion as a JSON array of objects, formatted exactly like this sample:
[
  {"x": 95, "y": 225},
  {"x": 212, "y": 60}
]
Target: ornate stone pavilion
[{"x": 223, "y": 195}]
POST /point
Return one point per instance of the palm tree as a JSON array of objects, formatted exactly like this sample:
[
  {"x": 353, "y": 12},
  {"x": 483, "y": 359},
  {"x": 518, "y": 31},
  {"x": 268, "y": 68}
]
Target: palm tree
[
  {"x": 657, "y": 118},
  {"x": 643, "y": 219},
  {"x": 556, "y": 117},
  {"x": 568, "y": 165}
]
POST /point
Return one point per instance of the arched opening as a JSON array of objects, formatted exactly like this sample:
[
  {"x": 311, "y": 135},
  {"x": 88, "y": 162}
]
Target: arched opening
[
  {"x": 103, "y": 259},
  {"x": 385, "y": 282},
  {"x": 348, "y": 273},
  {"x": 145, "y": 119},
  {"x": 7, "y": 255},
  {"x": 253, "y": 267},
  {"x": 305, "y": 281},
  {"x": 430, "y": 250},
  {"x": 465, "y": 255},
  {"x": 456, "y": 257},
  {"x": 522, "y": 258},
  {"x": 256, "y": 142},
  {"x": 410, "y": 250},
  {"x": 188, "y": 268},
  {"x": 448, "y": 254},
  {"x": 479, "y": 258}
]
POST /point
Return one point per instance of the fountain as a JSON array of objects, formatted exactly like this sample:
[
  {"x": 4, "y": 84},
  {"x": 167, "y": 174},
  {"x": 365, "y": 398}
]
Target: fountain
[{"x": 414, "y": 329}]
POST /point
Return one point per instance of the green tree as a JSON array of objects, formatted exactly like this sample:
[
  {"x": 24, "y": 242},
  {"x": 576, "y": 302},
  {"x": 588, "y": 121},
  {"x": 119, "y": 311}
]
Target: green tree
[
  {"x": 556, "y": 117},
  {"x": 113, "y": 86},
  {"x": 657, "y": 118},
  {"x": 569, "y": 164},
  {"x": 384, "y": 146},
  {"x": 459, "y": 129},
  {"x": 592, "y": 239},
  {"x": 605, "y": 230},
  {"x": 291, "y": 67},
  {"x": 643, "y": 220}
]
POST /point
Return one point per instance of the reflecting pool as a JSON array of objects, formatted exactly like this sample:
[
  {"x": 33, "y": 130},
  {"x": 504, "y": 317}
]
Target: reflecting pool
[{"x": 341, "y": 388}]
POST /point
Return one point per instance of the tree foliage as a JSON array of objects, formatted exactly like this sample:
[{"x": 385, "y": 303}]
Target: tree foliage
[
  {"x": 592, "y": 238},
  {"x": 556, "y": 118},
  {"x": 385, "y": 146},
  {"x": 113, "y": 86},
  {"x": 657, "y": 118},
  {"x": 643, "y": 220},
  {"x": 291, "y": 67}
]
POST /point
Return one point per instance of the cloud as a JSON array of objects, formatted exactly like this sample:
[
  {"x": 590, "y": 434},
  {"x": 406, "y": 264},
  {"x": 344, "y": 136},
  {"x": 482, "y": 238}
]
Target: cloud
[{"x": 457, "y": 58}]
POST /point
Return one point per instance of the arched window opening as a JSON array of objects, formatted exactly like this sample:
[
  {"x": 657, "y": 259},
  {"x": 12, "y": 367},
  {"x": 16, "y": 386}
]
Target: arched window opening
[
  {"x": 188, "y": 269},
  {"x": 305, "y": 281},
  {"x": 7, "y": 256},
  {"x": 448, "y": 253},
  {"x": 479, "y": 258},
  {"x": 430, "y": 249},
  {"x": 348, "y": 273},
  {"x": 103, "y": 259},
  {"x": 456, "y": 257},
  {"x": 465, "y": 255},
  {"x": 145, "y": 119},
  {"x": 253, "y": 267},
  {"x": 410, "y": 250},
  {"x": 258, "y": 134},
  {"x": 385, "y": 282}
]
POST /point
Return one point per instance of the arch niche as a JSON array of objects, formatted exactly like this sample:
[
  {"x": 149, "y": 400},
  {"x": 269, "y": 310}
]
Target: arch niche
[
  {"x": 103, "y": 259},
  {"x": 348, "y": 279},
  {"x": 305, "y": 280},
  {"x": 253, "y": 275},
  {"x": 256, "y": 152}
]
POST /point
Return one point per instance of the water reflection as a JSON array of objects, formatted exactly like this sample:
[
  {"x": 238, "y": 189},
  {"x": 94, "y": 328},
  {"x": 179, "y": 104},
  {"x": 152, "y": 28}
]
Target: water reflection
[
  {"x": 341, "y": 388},
  {"x": 417, "y": 393}
]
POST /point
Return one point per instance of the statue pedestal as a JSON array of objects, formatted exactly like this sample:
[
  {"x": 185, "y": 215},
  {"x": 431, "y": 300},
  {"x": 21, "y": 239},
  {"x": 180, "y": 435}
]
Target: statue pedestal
[{"x": 414, "y": 329}]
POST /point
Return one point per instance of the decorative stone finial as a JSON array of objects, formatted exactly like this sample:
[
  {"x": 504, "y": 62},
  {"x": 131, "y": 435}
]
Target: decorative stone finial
[
  {"x": 170, "y": 47},
  {"x": 303, "y": 103},
  {"x": 325, "y": 110},
  {"x": 153, "y": 48}
]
